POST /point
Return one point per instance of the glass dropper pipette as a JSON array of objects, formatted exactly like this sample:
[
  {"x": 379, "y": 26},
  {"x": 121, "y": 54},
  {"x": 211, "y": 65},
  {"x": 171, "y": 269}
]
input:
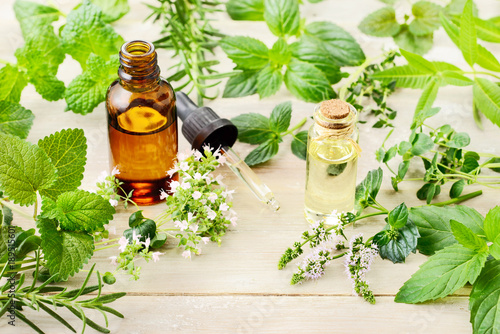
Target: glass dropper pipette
[{"x": 202, "y": 126}]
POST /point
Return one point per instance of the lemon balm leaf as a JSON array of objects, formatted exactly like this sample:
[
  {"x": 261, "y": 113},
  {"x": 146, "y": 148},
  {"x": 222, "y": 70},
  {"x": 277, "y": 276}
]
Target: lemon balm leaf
[{"x": 15, "y": 120}]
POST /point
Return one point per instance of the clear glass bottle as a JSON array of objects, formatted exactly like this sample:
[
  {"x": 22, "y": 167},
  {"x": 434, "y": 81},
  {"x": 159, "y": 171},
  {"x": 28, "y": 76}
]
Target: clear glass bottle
[
  {"x": 332, "y": 156},
  {"x": 142, "y": 124}
]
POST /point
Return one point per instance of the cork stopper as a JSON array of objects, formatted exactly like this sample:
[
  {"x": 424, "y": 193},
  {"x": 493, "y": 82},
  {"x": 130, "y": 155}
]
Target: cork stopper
[{"x": 334, "y": 109}]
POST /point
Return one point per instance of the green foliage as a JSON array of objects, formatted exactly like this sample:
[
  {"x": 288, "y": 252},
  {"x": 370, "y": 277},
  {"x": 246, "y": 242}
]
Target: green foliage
[
  {"x": 12, "y": 83},
  {"x": 249, "y": 10},
  {"x": 112, "y": 10},
  {"x": 367, "y": 190},
  {"x": 255, "y": 128},
  {"x": 396, "y": 243},
  {"x": 492, "y": 224},
  {"x": 282, "y": 16},
  {"x": 140, "y": 225},
  {"x": 484, "y": 301},
  {"x": 15, "y": 120},
  {"x": 466, "y": 237},
  {"x": 381, "y": 23}
]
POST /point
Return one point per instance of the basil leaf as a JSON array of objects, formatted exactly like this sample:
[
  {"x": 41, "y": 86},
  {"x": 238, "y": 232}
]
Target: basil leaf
[
  {"x": 248, "y": 10},
  {"x": 367, "y": 190},
  {"x": 434, "y": 225},
  {"x": 398, "y": 216},
  {"x": 457, "y": 188},
  {"x": 484, "y": 301},
  {"x": 487, "y": 98},
  {"x": 307, "y": 82},
  {"x": 242, "y": 84},
  {"x": 492, "y": 223},
  {"x": 402, "y": 244},
  {"x": 468, "y": 39},
  {"x": 282, "y": 16},
  {"x": 246, "y": 52},
  {"x": 253, "y": 128},
  {"x": 466, "y": 237},
  {"x": 269, "y": 81},
  {"x": 381, "y": 23},
  {"x": 416, "y": 44},
  {"x": 263, "y": 152},
  {"x": 426, "y": 18},
  {"x": 279, "y": 121},
  {"x": 444, "y": 273},
  {"x": 299, "y": 145}
]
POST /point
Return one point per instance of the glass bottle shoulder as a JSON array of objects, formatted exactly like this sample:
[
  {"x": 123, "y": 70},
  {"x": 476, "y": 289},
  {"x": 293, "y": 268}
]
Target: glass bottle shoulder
[{"x": 331, "y": 149}]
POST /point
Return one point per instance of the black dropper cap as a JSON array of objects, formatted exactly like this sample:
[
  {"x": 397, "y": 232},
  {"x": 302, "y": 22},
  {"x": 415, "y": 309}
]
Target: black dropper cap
[{"x": 202, "y": 126}]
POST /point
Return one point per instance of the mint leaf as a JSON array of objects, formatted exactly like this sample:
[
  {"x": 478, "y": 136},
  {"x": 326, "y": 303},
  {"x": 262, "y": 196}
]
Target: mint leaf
[
  {"x": 484, "y": 301},
  {"x": 263, "y": 152},
  {"x": 307, "y": 82},
  {"x": 487, "y": 99},
  {"x": 335, "y": 41},
  {"x": 367, "y": 190},
  {"x": 112, "y": 10},
  {"x": 457, "y": 188},
  {"x": 32, "y": 17},
  {"x": 253, "y": 128},
  {"x": 406, "y": 76},
  {"x": 81, "y": 210},
  {"x": 67, "y": 150},
  {"x": 444, "y": 273},
  {"x": 468, "y": 39},
  {"x": 299, "y": 145},
  {"x": 398, "y": 243},
  {"x": 15, "y": 120},
  {"x": 242, "y": 84},
  {"x": 282, "y": 16},
  {"x": 426, "y": 18},
  {"x": 408, "y": 41},
  {"x": 64, "y": 252},
  {"x": 467, "y": 238},
  {"x": 280, "y": 53},
  {"x": 380, "y": 23},
  {"x": 24, "y": 170},
  {"x": 398, "y": 216},
  {"x": 246, "y": 52},
  {"x": 12, "y": 83},
  {"x": 85, "y": 32},
  {"x": 434, "y": 225},
  {"x": 269, "y": 81},
  {"x": 249, "y": 10},
  {"x": 492, "y": 224},
  {"x": 495, "y": 248},
  {"x": 281, "y": 115},
  {"x": 419, "y": 62},
  {"x": 89, "y": 89},
  {"x": 459, "y": 140}
]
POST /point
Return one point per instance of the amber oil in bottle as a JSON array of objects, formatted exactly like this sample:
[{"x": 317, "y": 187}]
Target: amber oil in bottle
[
  {"x": 142, "y": 124},
  {"x": 332, "y": 155}
]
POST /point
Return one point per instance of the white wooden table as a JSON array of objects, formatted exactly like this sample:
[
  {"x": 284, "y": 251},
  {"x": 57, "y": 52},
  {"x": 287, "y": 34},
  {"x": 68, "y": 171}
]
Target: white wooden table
[{"x": 236, "y": 288}]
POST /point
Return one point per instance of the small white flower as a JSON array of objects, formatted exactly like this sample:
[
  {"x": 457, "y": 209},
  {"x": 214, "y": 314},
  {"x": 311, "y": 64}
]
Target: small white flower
[
  {"x": 190, "y": 216},
  {"x": 174, "y": 185},
  {"x": 212, "y": 197},
  {"x": 136, "y": 237},
  {"x": 184, "y": 166},
  {"x": 185, "y": 185},
  {"x": 207, "y": 147},
  {"x": 219, "y": 179},
  {"x": 113, "y": 260},
  {"x": 233, "y": 221},
  {"x": 113, "y": 202},
  {"x": 211, "y": 214},
  {"x": 203, "y": 201},
  {"x": 102, "y": 177},
  {"x": 198, "y": 155},
  {"x": 222, "y": 159},
  {"x": 224, "y": 207},
  {"x": 207, "y": 179},
  {"x": 205, "y": 240},
  {"x": 182, "y": 225},
  {"x": 163, "y": 194},
  {"x": 228, "y": 193},
  {"x": 197, "y": 176},
  {"x": 115, "y": 171},
  {"x": 156, "y": 256},
  {"x": 172, "y": 171},
  {"x": 147, "y": 243},
  {"x": 123, "y": 242},
  {"x": 194, "y": 227},
  {"x": 186, "y": 254},
  {"x": 196, "y": 195}
]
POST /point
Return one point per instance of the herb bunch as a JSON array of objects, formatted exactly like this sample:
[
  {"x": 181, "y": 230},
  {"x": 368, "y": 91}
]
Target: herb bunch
[
  {"x": 189, "y": 33},
  {"x": 421, "y": 73}
]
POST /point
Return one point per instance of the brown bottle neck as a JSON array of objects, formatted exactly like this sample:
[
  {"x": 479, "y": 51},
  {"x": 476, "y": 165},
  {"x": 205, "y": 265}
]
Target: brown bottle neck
[{"x": 139, "y": 68}]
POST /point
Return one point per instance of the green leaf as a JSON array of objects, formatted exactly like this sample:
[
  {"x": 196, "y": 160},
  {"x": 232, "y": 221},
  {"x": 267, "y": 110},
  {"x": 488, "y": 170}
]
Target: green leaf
[
  {"x": 426, "y": 18},
  {"x": 492, "y": 224},
  {"x": 263, "y": 152},
  {"x": 457, "y": 188},
  {"x": 85, "y": 33},
  {"x": 335, "y": 41},
  {"x": 468, "y": 40},
  {"x": 398, "y": 248},
  {"x": 307, "y": 82},
  {"x": 253, "y": 128},
  {"x": 142, "y": 226},
  {"x": 269, "y": 81},
  {"x": 456, "y": 79},
  {"x": 246, "y": 52},
  {"x": 112, "y": 10},
  {"x": 403, "y": 168},
  {"x": 248, "y": 10},
  {"x": 484, "y": 301},
  {"x": 487, "y": 30},
  {"x": 459, "y": 140},
  {"x": 444, "y": 273},
  {"x": 242, "y": 84},
  {"x": 24, "y": 170},
  {"x": 280, "y": 53},
  {"x": 428, "y": 96},
  {"x": 494, "y": 161},
  {"x": 6, "y": 216},
  {"x": 467, "y": 238},
  {"x": 32, "y": 17},
  {"x": 65, "y": 252},
  {"x": 422, "y": 115},
  {"x": 281, "y": 115},
  {"x": 495, "y": 248},
  {"x": 299, "y": 145},
  {"x": 67, "y": 149},
  {"x": 282, "y": 16},
  {"x": 456, "y": 7},
  {"x": 380, "y": 23},
  {"x": 415, "y": 44},
  {"x": 422, "y": 144},
  {"x": 81, "y": 210},
  {"x": 15, "y": 120},
  {"x": 434, "y": 225},
  {"x": 428, "y": 192},
  {"x": 12, "y": 83},
  {"x": 419, "y": 62},
  {"x": 109, "y": 278},
  {"x": 89, "y": 89},
  {"x": 469, "y": 165},
  {"x": 398, "y": 216},
  {"x": 487, "y": 98},
  {"x": 159, "y": 240},
  {"x": 391, "y": 153},
  {"x": 367, "y": 190},
  {"x": 406, "y": 76}
]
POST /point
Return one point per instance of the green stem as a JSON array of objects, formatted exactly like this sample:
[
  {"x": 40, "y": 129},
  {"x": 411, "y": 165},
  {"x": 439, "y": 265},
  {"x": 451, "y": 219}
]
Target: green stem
[
  {"x": 35, "y": 211},
  {"x": 106, "y": 247},
  {"x": 457, "y": 200},
  {"x": 354, "y": 76},
  {"x": 106, "y": 242},
  {"x": 298, "y": 126},
  {"x": 13, "y": 208},
  {"x": 21, "y": 269}
]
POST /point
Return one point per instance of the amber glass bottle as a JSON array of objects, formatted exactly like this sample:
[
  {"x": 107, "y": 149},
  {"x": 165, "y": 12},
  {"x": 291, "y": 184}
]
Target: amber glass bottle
[{"x": 142, "y": 124}]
